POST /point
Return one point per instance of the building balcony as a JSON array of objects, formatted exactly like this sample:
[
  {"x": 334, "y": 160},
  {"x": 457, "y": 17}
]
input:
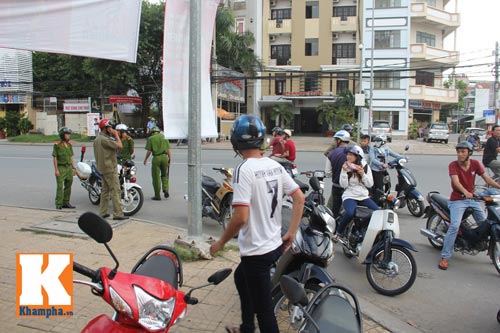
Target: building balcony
[
  {"x": 427, "y": 56},
  {"x": 433, "y": 94},
  {"x": 443, "y": 20},
  {"x": 281, "y": 26},
  {"x": 346, "y": 23}
]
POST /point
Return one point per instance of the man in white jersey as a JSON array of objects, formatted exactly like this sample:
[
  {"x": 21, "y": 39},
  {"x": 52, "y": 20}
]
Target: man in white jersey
[{"x": 259, "y": 185}]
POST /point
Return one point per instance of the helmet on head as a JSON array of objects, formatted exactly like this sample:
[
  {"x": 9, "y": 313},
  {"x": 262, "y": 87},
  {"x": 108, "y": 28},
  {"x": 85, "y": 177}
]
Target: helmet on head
[
  {"x": 155, "y": 129},
  {"x": 342, "y": 135},
  {"x": 288, "y": 133},
  {"x": 106, "y": 122},
  {"x": 379, "y": 140},
  {"x": 121, "y": 127},
  {"x": 277, "y": 129},
  {"x": 465, "y": 145},
  {"x": 356, "y": 150},
  {"x": 347, "y": 127},
  {"x": 64, "y": 130},
  {"x": 247, "y": 132}
]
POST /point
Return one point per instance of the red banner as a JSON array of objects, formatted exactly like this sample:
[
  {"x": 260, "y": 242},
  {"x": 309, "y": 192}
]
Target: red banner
[{"x": 125, "y": 100}]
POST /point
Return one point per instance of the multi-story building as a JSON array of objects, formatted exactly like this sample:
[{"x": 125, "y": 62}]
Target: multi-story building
[
  {"x": 16, "y": 80},
  {"x": 312, "y": 51}
]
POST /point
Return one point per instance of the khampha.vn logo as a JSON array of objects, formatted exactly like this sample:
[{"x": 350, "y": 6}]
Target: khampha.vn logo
[{"x": 44, "y": 284}]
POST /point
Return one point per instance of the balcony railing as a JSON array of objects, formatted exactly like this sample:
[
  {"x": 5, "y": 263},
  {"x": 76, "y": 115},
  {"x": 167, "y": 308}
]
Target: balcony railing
[
  {"x": 280, "y": 26},
  {"x": 428, "y": 53},
  {"x": 444, "y": 18},
  {"x": 343, "y": 61},
  {"x": 433, "y": 94},
  {"x": 346, "y": 23}
]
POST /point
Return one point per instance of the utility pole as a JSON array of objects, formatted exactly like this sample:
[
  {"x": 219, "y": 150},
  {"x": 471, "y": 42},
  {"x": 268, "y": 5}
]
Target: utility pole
[
  {"x": 497, "y": 83},
  {"x": 360, "y": 107},
  {"x": 194, "y": 122},
  {"x": 370, "y": 114}
]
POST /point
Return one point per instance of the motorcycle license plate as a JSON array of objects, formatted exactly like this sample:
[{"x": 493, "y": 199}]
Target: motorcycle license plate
[{"x": 295, "y": 172}]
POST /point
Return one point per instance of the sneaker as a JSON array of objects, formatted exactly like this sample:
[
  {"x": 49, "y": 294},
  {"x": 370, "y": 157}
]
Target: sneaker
[
  {"x": 165, "y": 194},
  {"x": 443, "y": 264}
]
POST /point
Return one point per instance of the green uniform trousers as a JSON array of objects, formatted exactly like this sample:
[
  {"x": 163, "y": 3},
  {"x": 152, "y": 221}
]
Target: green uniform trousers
[
  {"x": 159, "y": 173},
  {"x": 64, "y": 182},
  {"x": 110, "y": 188}
]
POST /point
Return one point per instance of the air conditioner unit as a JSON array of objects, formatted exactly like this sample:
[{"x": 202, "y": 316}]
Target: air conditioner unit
[
  {"x": 335, "y": 35},
  {"x": 273, "y": 3},
  {"x": 272, "y": 38},
  {"x": 353, "y": 35}
]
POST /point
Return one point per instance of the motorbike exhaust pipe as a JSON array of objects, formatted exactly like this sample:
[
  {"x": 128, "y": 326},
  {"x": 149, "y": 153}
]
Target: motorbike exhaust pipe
[{"x": 431, "y": 235}]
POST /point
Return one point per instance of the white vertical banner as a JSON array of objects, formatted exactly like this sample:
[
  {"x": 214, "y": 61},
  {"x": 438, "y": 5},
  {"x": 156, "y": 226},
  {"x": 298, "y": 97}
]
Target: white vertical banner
[{"x": 176, "y": 69}]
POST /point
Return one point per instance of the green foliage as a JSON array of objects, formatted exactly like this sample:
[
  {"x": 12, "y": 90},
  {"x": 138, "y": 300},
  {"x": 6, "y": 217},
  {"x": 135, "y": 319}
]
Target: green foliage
[
  {"x": 11, "y": 122},
  {"x": 326, "y": 114},
  {"x": 283, "y": 113},
  {"x": 40, "y": 138},
  {"x": 24, "y": 125},
  {"x": 413, "y": 130}
]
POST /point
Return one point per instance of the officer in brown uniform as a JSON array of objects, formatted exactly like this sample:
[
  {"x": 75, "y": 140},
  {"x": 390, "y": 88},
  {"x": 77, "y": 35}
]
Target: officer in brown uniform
[
  {"x": 64, "y": 167},
  {"x": 105, "y": 146}
]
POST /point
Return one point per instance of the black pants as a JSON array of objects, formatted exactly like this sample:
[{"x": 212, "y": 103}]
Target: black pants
[
  {"x": 378, "y": 184},
  {"x": 253, "y": 281},
  {"x": 336, "y": 200}
]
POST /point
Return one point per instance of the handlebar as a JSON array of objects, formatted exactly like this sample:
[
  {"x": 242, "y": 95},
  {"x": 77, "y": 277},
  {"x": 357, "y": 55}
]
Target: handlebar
[{"x": 88, "y": 272}]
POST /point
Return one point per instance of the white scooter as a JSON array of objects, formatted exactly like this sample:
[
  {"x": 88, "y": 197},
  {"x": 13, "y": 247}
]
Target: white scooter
[{"x": 372, "y": 237}]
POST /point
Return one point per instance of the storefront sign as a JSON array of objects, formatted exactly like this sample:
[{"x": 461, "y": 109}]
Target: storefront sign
[
  {"x": 12, "y": 99},
  {"x": 76, "y": 105},
  {"x": 303, "y": 93},
  {"x": 424, "y": 105},
  {"x": 489, "y": 116},
  {"x": 125, "y": 100}
]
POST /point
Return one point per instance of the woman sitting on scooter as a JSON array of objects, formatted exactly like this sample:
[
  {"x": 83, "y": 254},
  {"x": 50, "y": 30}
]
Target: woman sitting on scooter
[{"x": 355, "y": 177}]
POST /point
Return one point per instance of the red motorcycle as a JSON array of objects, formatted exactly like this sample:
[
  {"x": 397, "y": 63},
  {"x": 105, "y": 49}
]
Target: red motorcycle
[{"x": 146, "y": 300}]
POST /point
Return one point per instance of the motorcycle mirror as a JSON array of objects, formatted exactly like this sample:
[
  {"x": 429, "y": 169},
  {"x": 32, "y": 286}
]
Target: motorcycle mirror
[
  {"x": 96, "y": 227},
  {"x": 293, "y": 290},
  {"x": 407, "y": 147},
  {"x": 219, "y": 276},
  {"x": 314, "y": 182},
  {"x": 84, "y": 149}
]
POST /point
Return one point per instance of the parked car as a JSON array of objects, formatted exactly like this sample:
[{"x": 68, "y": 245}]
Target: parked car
[
  {"x": 381, "y": 127},
  {"x": 436, "y": 132},
  {"x": 473, "y": 130}
]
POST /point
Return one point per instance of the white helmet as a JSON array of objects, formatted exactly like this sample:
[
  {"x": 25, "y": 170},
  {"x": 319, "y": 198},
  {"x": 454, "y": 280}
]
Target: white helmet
[
  {"x": 342, "y": 135},
  {"x": 121, "y": 127}
]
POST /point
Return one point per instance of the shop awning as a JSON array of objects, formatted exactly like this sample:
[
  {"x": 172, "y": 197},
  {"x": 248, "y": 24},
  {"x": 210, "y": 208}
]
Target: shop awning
[{"x": 223, "y": 114}]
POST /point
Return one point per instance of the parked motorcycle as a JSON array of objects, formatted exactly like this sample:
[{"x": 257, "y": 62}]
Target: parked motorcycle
[
  {"x": 217, "y": 197},
  {"x": 146, "y": 300},
  {"x": 136, "y": 133},
  {"x": 132, "y": 197},
  {"x": 406, "y": 191},
  {"x": 305, "y": 261},
  {"x": 334, "y": 308},
  {"x": 372, "y": 238},
  {"x": 472, "y": 237}
]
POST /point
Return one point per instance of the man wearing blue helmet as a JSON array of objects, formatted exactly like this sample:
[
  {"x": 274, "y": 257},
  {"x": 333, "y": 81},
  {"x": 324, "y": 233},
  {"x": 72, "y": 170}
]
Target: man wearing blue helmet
[{"x": 259, "y": 184}]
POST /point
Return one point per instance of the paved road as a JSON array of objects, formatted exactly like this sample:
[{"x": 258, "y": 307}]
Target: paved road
[{"x": 463, "y": 299}]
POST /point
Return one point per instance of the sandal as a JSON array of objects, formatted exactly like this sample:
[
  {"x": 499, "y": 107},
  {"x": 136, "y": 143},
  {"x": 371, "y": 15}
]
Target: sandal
[{"x": 232, "y": 329}]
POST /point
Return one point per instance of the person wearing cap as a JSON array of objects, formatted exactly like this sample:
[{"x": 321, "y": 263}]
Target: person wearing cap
[
  {"x": 333, "y": 168},
  {"x": 277, "y": 143},
  {"x": 127, "y": 142},
  {"x": 159, "y": 147},
  {"x": 348, "y": 129},
  {"x": 150, "y": 125},
  {"x": 64, "y": 166},
  {"x": 105, "y": 148},
  {"x": 290, "y": 150}
]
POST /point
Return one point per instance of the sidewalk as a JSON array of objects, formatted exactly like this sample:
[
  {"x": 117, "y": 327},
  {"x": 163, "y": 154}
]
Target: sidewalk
[{"x": 218, "y": 305}]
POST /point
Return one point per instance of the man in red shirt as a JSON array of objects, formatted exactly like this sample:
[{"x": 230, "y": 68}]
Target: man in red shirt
[
  {"x": 278, "y": 145},
  {"x": 290, "y": 151},
  {"x": 462, "y": 172}
]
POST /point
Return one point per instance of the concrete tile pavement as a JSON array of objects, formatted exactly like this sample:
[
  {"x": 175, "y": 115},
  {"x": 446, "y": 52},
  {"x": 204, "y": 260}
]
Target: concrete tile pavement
[{"x": 218, "y": 306}]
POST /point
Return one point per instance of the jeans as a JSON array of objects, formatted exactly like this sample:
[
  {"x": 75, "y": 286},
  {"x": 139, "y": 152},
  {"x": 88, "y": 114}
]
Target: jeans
[
  {"x": 350, "y": 209},
  {"x": 378, "y": 183},
  {"x": 457, "y": 209},
  {"x": 335, "y": 200},
  {"x": 253, "y": 282}
]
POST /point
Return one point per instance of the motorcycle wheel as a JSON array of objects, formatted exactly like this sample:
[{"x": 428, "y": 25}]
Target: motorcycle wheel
[
  {"x": 283, "y": 309},
  {"x": 227, "y": 211},
  {"x": 94, "y": 197},
  {"x": 495, "y": 256},
  {"x": 395, "y": 279},
  {"x": 498, "y": 316},
  {"x": 435, "y": 223},
  {"x": 134, "y": 204},
  {"x": 415, "y": 207}
]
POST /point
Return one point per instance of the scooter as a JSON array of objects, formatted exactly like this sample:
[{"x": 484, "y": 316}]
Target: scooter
[
  {"x": 372, "y": 238},
  {"x": 146, "y": 300},
  {"x": 217, "y": 197},
  {"x": 305, "y": 261},
  {"x": 334, "y": 308},
  {"x": 132, "y": 197},
  {"x": 472, "y": 237}
]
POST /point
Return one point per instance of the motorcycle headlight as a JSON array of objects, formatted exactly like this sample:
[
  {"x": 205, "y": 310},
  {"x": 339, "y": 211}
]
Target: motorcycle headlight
[
  {"x": 154, "y": 314},
  {"x": 119, "y": 303},
  {"x": 402, "y": 161},
  {"x": 133, "y": 171}
]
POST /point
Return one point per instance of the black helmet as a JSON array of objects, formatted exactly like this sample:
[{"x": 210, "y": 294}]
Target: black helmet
[
  {"x": 347, "y": 127},
  {"x": 465, "y": 145},
  {"x": 248, "y": 132},
  {"x": 277, "y": 130},
  {"x": 64, "y": 130}
]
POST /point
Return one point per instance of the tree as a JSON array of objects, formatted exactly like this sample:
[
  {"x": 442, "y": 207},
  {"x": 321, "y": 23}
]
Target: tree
[
  {"x": 283, "y": 113},
  {"x": 462, "y": 92},
  {"x": 326, "y": 114}
]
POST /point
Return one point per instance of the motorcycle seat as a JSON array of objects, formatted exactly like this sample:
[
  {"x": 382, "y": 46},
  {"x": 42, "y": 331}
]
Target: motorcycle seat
[
  {"x": 303, "y": 186},
  {"x": 363, "y": 213},
  {"x": 334, "y": 314},
  {"x": 440, "y": 200},
  {"x": 160, "y": 267},
  {"x": 210, "y": 183}
]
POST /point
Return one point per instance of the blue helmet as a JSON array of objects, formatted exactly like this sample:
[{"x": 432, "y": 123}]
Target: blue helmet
[{"x": 248, "y": 132}]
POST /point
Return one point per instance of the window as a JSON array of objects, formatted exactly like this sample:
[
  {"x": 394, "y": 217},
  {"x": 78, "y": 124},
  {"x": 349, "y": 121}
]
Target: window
[
  {"x": 311, "y": 46},
  {"x": 424, "y": 78},
  {"x": 431, "y": 3},
  {"x": 387, "y": 39},
  {"x": 311, "y": 82},
  {"x": 386, "y": 80},
  {"x": 424, "y": 37},
  {"x": 312, "y": 9},
  {"x": 387, "y": 3},
  {"x": 283, "y": 14},
  {"x": 281, "y": 53},
  {"x": 280, "y": 84},
  {"x": 240, "y": 25},
  {"x": 342, "y": 83},
  {"x": 344, "y": 11},
  {"x": 343, "y": 51}
]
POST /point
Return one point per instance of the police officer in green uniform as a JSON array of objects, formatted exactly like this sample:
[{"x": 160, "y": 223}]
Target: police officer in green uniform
[
  {"x": 64, "y": 167},
  {"x": 127, "y": 143},
  {"x": 160, "y": 148}
]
